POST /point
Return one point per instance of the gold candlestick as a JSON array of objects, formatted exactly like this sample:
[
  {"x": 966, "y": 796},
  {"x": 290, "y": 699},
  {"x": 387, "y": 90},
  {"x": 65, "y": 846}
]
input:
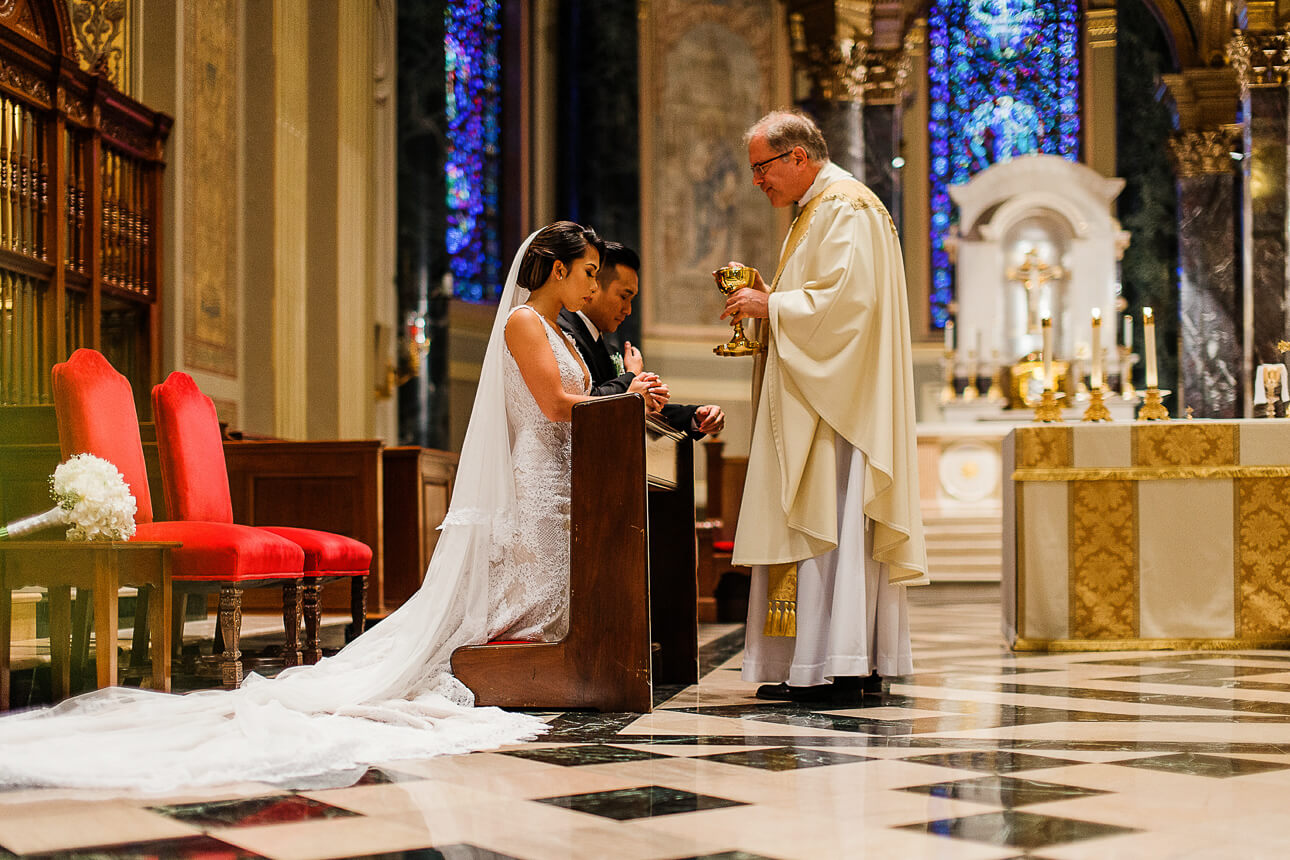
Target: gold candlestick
[
  {"x": 970, "y": 392},
  {"x": 1096, "y": 410},
  {"x": 948, "y": 394},
  {"x": 995, "y": 394},
  {"x": 1048, "y": 411},
  {"x": 730, "y": 279},
  {"x": 1127, "y": 360},
  {"x": 1153, "y": 409}
]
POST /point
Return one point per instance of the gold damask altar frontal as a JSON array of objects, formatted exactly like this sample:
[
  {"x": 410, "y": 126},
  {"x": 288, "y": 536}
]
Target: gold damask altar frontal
[{"x": 1147, "y": 535}]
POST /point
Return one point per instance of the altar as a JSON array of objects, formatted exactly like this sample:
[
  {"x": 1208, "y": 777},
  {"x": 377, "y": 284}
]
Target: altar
[{"x": 1147, "y": 535}]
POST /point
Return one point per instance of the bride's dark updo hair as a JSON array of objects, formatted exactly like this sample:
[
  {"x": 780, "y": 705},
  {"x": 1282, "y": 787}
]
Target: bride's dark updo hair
[{"x": 564, "y": 241}]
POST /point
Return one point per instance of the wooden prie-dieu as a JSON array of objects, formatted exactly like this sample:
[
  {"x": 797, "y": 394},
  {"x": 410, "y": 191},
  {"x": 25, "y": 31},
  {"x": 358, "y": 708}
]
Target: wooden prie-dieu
[{"x": 632, "y": 589}]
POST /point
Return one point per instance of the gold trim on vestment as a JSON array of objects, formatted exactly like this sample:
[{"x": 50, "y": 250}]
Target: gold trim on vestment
[
  {"x": 1103, "y": 560},
  {"x": 1149, "y": 644},
  {"x": 781, "y": 600},
  {"x": 1151, "y": 473}
]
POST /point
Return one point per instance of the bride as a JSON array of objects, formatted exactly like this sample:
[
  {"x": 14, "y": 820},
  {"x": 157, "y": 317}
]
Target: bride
[{"x": 500, "y": 570}]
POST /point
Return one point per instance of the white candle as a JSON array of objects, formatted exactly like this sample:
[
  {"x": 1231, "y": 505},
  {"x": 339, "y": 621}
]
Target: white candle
[
  {"x": 1128, "y": 332},
  {"x": 1048, "y": 354},
  {"x": 1095, "y": 375},
  {"x": 949, "y": 335},
  {"x": 1149, "y": 339}
]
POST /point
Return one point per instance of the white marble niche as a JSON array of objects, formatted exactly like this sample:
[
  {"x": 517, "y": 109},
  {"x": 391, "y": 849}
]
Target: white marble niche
[{"x": 1061, "y": 212}]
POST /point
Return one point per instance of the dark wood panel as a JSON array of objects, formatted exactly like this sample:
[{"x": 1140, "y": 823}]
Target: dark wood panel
[
  {"x": 417, "y": 487},
  {"x": 328, "y": 485}
]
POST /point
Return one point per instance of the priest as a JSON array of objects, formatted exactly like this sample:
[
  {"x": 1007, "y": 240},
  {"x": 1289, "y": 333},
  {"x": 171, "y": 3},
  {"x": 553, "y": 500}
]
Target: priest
[{"x": 830, "y": 519}]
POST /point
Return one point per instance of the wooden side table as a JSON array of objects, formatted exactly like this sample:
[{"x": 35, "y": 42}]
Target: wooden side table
[{"x": 98, "y": 566}]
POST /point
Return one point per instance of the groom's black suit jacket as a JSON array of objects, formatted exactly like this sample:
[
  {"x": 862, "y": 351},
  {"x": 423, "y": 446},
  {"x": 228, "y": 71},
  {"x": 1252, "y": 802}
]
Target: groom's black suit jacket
[{"x": 603, "y": 379}]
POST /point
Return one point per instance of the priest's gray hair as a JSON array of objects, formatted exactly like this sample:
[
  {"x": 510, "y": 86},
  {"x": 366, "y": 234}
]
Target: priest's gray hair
[{"x": 785, "y": 129}]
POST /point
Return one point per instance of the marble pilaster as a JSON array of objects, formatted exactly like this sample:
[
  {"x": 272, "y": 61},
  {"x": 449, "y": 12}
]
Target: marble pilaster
[
  {"x": 1209, "y": 285},
  {"x": 1267, "y": 135}
]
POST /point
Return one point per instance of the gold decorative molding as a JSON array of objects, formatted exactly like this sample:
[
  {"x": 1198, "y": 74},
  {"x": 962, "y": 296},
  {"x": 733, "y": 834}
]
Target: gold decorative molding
[
  {"x": 1197, "y": 444},
  {"x": 1031, "y": 644},
  {"x": 1151, "y": 473},
  {"x": 1260, "y": 59},
  {"x": 1263, "y": 561},
  {"x": 838, "y": 71},
  {"x": 1100, "y": 27},
  {"x": 102, "y": 38},
  {"x": 1103, "y": 600},
  {"x": 1205, "y": 152}
]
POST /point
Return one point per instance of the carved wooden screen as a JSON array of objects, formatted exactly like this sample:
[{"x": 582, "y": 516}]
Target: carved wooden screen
[{"x": 80, "y": 209}]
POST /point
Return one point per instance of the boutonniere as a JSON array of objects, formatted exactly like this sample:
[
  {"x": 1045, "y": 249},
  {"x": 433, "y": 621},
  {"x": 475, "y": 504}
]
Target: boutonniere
[{"x": 619, "y": 369}]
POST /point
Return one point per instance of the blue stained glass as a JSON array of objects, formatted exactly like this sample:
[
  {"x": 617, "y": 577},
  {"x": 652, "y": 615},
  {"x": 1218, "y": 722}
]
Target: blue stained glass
[
  {"x": 1004, "y": 81},
  {"x": 472, "y": 48}
]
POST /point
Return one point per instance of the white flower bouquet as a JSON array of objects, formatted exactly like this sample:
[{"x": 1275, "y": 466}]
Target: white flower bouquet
[{"x": 91, "y": 495}]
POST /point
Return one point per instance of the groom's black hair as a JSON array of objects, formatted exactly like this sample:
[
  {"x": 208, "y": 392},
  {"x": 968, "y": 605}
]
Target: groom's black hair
[
  {"x": 564, "y": 241},
  {"x": 616, "y": 254}
]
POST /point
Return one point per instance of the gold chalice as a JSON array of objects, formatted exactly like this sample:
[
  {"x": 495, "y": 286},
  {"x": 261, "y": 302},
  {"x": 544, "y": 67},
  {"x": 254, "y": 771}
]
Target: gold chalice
[{"x": 730, "y": 279}]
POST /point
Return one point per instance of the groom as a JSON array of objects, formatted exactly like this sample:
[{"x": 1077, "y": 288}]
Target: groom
[{"x": 616, "y": 286}]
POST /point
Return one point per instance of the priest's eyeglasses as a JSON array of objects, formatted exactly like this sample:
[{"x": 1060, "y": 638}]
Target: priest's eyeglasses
[{"x": 759, "y": 169}]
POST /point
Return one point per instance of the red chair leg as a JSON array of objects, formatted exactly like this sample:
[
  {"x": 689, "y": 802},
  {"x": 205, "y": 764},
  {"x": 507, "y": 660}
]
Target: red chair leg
[
  {"x": 230, "y": 626},
  {"x": 313, "y": 617},
  {"x": 291, "y": 624}
]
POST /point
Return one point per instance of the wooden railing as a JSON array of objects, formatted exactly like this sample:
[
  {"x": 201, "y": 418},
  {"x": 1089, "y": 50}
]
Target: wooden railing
[{"x": 80, "y": 211}]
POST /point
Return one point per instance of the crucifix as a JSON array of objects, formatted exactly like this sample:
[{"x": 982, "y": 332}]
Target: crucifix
[{"x": 1032, "y": 274}]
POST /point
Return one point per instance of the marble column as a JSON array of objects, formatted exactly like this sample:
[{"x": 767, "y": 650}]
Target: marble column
[
  {"x": 884, "y": 97},
  {"x": 842, "y": 122},
  {"x": 1260, "y": 55},
  {"x": 1208, "y": 273}
]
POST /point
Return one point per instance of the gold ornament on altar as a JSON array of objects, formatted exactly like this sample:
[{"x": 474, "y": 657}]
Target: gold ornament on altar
[
  {"x": 729, "y": 280},
  {"x": 1271, "y": 389}
]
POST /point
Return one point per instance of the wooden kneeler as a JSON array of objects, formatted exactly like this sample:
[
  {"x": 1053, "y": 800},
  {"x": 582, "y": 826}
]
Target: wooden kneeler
[{"x": 604, "y": 662}]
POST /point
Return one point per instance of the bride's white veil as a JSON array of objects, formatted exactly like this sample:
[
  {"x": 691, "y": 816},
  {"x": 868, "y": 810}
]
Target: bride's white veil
[{"x": 389, "y": 694}]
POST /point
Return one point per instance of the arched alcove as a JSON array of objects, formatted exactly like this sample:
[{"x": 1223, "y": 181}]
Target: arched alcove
[{"x": 1050, "y": 213}]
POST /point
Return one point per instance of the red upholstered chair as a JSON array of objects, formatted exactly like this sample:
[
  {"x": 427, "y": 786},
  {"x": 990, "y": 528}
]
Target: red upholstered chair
[
  {"x": 195, "y": 476},
  {"x": 96, "y": 415}
]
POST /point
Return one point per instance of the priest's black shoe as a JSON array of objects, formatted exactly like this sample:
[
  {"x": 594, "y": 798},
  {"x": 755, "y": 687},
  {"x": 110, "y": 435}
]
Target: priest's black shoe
[{"x": 785, "y": 693}]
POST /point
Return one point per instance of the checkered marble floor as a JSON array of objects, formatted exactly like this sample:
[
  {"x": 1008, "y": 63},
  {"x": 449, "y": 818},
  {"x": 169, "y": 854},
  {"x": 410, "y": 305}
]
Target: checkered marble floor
[{"x": 980, "y": 754}]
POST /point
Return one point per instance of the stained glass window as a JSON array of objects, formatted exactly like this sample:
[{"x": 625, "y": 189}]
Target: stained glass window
[
  {"x": 472, "y": 45},
  {"x": 1004, "y": 79}
]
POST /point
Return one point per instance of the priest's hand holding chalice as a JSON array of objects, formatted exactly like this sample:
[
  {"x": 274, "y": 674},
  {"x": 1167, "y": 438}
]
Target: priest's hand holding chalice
[{"x": 746, "y": 298}]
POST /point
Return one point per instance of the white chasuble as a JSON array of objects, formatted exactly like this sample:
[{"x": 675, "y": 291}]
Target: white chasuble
[{"x": 838, "y": 361}]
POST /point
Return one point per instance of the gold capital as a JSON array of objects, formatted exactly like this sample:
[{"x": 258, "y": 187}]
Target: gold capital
[
  {"x": 1260, "y": 59},
  {"x": 1205, "y": 151}
]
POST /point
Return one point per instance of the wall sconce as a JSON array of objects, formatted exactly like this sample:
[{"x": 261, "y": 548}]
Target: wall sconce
[{"x": 413, "y": 345}]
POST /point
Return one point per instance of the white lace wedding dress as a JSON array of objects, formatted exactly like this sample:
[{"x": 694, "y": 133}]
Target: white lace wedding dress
[
  {"x": 500, "y": 568},
  {"x": 529, "y": 581}
]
